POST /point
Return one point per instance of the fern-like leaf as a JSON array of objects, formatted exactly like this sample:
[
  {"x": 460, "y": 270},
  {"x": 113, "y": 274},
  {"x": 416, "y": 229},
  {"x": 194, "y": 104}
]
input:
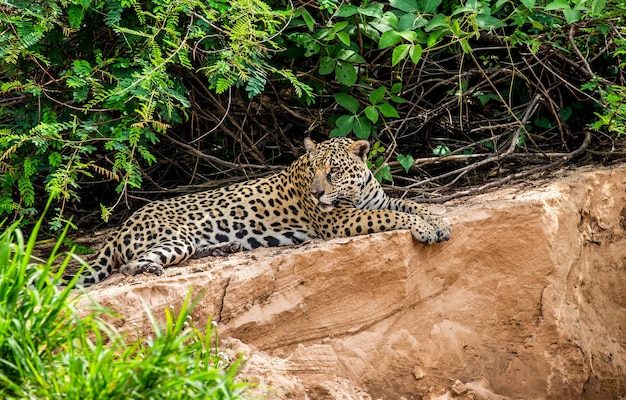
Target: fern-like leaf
[
  {"x": 27, "y": 191},
  {"x": 105, "y": 172}
]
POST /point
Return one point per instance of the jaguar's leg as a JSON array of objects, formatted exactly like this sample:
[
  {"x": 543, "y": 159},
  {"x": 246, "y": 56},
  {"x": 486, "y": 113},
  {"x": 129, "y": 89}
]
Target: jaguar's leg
[
  {"x": 439, "y": 224},
  {"x": 351, "y": 223},
  {"x": 218, "y": 250},
  {"x": 158, "y": 257}
]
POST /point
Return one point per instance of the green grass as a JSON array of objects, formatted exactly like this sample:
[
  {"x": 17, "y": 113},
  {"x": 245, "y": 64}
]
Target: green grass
[{"x": 48, "y": 351}]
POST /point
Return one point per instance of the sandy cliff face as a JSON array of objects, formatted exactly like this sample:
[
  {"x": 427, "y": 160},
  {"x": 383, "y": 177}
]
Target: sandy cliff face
[{"x": 527, "y": 300}]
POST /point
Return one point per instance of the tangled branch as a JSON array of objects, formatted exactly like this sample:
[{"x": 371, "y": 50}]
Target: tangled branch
[{"x": 498, "y": 115}]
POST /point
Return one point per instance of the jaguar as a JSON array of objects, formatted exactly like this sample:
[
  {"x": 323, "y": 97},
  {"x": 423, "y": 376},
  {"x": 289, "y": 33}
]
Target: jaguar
[{"x": 328, "y": 192}]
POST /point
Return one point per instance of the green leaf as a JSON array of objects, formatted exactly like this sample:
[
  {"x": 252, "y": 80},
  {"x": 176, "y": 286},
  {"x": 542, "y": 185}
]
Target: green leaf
[
  {"x": 415, "y": 52},
  {"x": 441, "y": 150},
  {"x": 487, "y": 21},
  {"x": 347, "y": 10},
  {"x": 81, "y": 68},
  {"x": 409, "y": 21},
  {"x": 325, "y": 34},
  {"x": 543, "y": 123},
  {"x": 305, "y": 41},
  {"x": 307, "y": 18},
  {"x": 439, "y": 21},
  {"x": 396, "y": 88},
  {"x": 75, "y": 82},
  {"x": 597, "y": 7},
  {"x": 484, "y": 98},
  {"x": 362, "y": 127},
  {"x": 434, "y": 37},
  {"x": 566, "y": 113},
  {"x": 384, "y": 170},
  {"x": 406, "y": 161},
  {"x": 54, "y": 159},
  {"x": 521, "y": 140},
  {"x": 373, "y": 10},
  {"x": 428, "y": 6},
  {"x": 339, "y": 26},
  {"x": 327, "y": 65},
  {"x": 397, "y": 100},
  {"x": 10, "y": 86},
  {"x": 351, "y": 56},
  {"x": 591, "y": 85},
  {"x": 399, "y": 53},
  {"x": 409, "y": 36},
  {"x": 465, "y": 46},
  {"x": 557, "y": 5},
  {"x": 455, "y": 28},
  {"x": 344, "y": 125},
  {"x": 472, "y": 5},
  {"x": 377, "y": 148},
  {"x": 75, "y": 15},
  {"x": 389, "y": 38},
  {"x": 388, "y": 111},
  {"x": 348, "y": 102},
  {"x": 404, "y": 5},
  {"x": 529, "y": 4},
  {"x": 377, "y": 95},
  {"x": 372, "y": 113},
  {"x": 389, "y": 21},
  {"x": 344, "y": 37},
  {"x": 572, "y": 16},
  {"x": 345, "y": 73}
]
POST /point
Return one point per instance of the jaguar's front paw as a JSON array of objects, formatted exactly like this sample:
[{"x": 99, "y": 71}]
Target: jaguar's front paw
[
  {"x": 424, "y": 233},
  {"x": 139, "y": 267},
  {"x": 443, "y": 231},
  {"x": 219, "y": 250},
  {"x": 441, "y": 227},
  {"x": 153, "y": 268}
]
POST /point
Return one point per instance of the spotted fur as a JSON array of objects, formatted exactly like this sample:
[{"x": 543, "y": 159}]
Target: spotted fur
[{"x": 328, "y": 192}]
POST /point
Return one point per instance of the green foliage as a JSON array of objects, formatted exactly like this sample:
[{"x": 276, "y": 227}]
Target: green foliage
[
  {"x": 89, "y": 88},
  {"x": 351, "y": 31},
  {"x": 83, "y": 79},
  {"x": 48, "y": 350},
  {"x": 613, "y": 114},
  {"x": 377, "y": 163},
  {"x": 362, "y": 121},
  {"x": 240, "y": 56},
  {"x": 361, "y": 55},
  {"x": 441, "y": 150},
  {"x": 406, "y": 161}
]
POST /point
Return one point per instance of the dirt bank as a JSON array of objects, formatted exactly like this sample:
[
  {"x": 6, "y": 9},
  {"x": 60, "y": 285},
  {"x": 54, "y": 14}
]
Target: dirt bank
[{"x": 527, "y": 300}]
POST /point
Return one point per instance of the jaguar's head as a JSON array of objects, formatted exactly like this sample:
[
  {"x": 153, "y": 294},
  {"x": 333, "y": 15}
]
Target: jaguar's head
[{"x": 338, "y": 170}]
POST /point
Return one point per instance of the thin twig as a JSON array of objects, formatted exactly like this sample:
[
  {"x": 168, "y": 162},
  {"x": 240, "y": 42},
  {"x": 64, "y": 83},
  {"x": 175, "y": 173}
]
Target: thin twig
[
  {"x": 515, "y": 176},
  {"x": 530, "y": 110},
  {"x": 220, "y": 122},
  {"x": 582, "y": 59},
  {"x": 216, "y": 160}
]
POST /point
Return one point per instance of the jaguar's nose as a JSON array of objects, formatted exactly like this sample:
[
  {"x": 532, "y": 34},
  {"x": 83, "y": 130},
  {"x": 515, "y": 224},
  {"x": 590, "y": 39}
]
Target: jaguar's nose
[{"x": 317, "y": 193}]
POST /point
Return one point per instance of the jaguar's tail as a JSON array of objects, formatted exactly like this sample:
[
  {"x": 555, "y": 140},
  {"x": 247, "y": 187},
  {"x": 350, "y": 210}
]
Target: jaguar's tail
[{"x": 97, "y": 270}]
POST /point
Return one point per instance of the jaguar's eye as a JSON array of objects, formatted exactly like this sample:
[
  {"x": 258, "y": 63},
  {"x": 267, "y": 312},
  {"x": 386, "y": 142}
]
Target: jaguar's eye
[{"x": 334, "y": 170}]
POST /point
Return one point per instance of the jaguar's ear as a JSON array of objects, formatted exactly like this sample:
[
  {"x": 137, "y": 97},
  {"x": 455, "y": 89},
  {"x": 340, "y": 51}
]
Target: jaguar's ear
[
  {"x": 309, "y": 145},
  {"x": 360, "y": 148}
]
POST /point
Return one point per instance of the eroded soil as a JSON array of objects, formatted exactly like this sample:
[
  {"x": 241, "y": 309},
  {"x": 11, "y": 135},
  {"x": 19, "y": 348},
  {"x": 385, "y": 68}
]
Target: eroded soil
[{"x": 526, "y": 301}]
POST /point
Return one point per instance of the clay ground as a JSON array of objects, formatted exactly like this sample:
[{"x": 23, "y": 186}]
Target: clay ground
[{"x": 526, "y": 301}]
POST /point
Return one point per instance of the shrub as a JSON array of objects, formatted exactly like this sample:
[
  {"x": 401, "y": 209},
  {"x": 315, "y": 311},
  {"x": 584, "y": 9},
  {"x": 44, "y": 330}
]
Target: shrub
[
  {"x": 48, "y": 351},
  {"x": 463, "y": 80},
  {"x": 82, "y": 78}
]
